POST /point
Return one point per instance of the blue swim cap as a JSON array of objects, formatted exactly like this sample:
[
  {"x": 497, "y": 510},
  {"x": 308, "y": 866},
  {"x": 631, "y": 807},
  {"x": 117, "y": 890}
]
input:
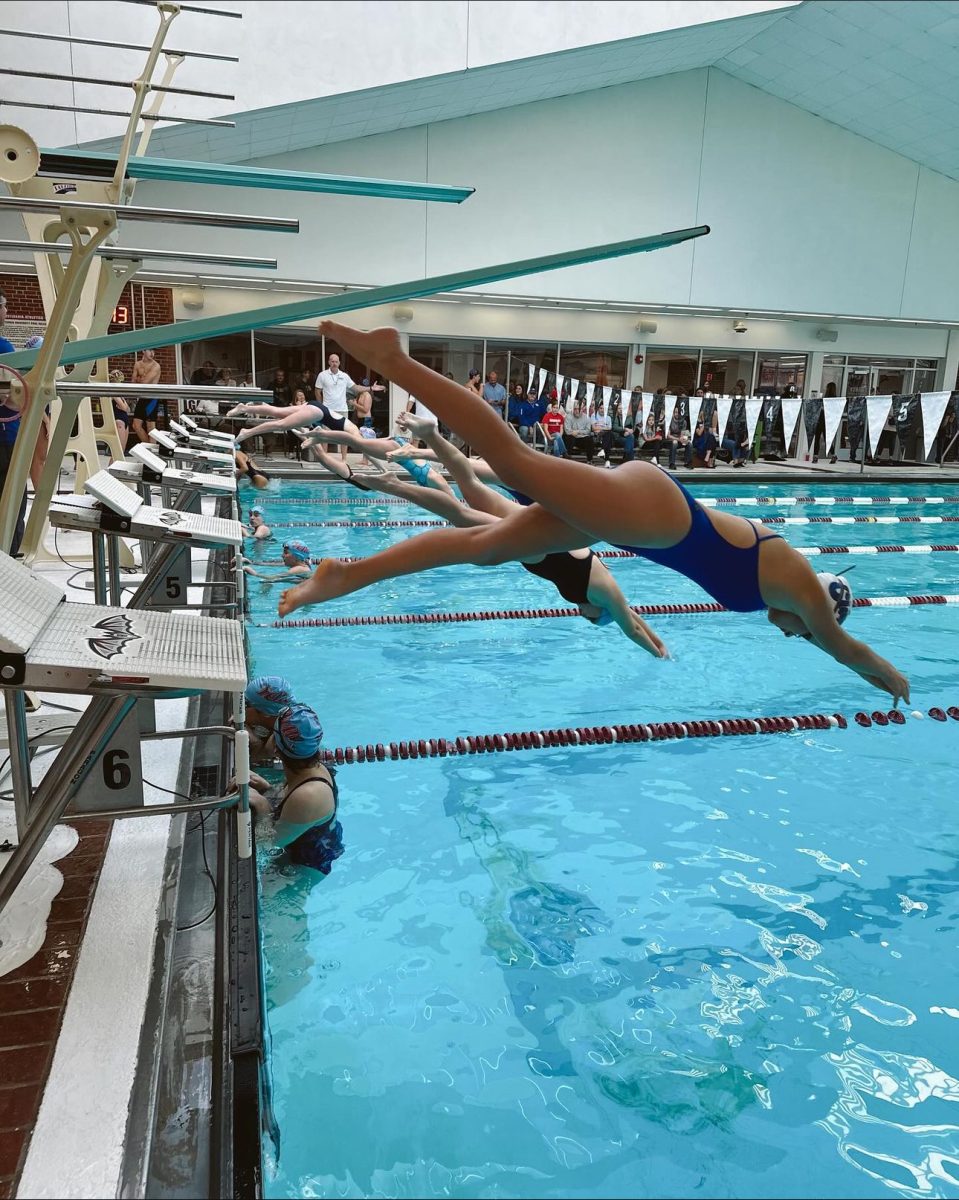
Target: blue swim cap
[
  {"x": 256, "y": 510},
  {"x": 299, "y": 550},
  {"x": 269, "y": 694},
  {"x": 298, "y": 732}
]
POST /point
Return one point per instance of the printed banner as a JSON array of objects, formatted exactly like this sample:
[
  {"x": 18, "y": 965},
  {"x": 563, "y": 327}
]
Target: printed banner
[
  {"x": 933, "y": 410},
  {"x": 542, "y": 382},
  {"x": 529, "y": 381},
  {"x": 608, "y": 395},
  {"x": 560, "y": 380},
  {"x": 722, "y": 411},
  {"x": 590, "y": 392},
  {"x": 877, "y": 409},
  {"x": 833, "y": 407},
  {"x": 753, "y": 409},
  {"x": 791, "y": 409}
]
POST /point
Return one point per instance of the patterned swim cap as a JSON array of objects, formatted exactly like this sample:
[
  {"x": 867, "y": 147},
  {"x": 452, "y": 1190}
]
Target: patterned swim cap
[
  {"x": 298, "y": 732},
  {"x": 299, "y": 550},
  {"x": 839, "y": 592},
  {"x": 269, "y": 694},
  {"x": 33, "y": 343}
]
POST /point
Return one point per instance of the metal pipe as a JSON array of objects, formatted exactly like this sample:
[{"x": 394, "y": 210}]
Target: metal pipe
[
  {"x": 90, "y": 737},
  {"x": 193, "y": 8},
  {"x": 226, "y": 731},
  {"x": 327, "y": 306},
  {"x": 99, "y": 569},
  {"x": 118, "y": 112},
  {"x": 18, "y": 745},
  {"x": 189, "y": 391},
  {"x": 113, "y": 571},
  {"x": 125, "y": 252},
  {"x": 82, "y": 41},
  {"x": 158, "y": 810},
  {"x": 175, "y": 216},
  {"x": 120, "y": 83}
]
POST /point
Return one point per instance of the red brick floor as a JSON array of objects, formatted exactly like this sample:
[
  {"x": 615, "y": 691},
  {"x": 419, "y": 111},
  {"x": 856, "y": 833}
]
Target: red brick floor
[{"x": 34, "y": 996}]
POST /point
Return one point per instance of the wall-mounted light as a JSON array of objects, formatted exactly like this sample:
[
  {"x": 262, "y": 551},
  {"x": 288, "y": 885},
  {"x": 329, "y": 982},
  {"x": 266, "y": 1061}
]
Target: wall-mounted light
[
  {"x": 646, "y": 326},
  {"x": 402, "y": 312}
]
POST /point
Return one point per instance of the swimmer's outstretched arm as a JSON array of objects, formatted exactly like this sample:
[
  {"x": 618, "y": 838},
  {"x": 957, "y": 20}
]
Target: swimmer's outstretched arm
[
  {"x": 798, "y": 591},
  {"x": 604, "y": 591},
  {"x": 527, "y": 533},
  {"x": 374, "y": 447}
]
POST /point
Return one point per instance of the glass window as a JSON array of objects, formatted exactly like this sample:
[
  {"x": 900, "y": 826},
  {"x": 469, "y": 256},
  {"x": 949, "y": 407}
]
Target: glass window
[
  {"x": 511, "y": 360},
  {"x": 456, "y": 356},
  {"x": 226, "y": 358},
  {"x": 725, "y": 372},
  {"x": 291, "y": 350},
  {"x": 605, "y": 366},
  {"x": 925, "y": 378},
  {"x": 833, "y": 366},
  {"x": 673, "y": 370},
  {"x": 780, "y": 374}
]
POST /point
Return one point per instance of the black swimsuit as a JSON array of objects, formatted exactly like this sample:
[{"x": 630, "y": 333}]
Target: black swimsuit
[
  {"x": 320, "y": 845},
  {"x": 569, "y": 575}
]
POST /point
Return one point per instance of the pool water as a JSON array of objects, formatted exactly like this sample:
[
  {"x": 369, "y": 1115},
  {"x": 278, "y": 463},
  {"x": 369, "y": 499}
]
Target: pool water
[{"x": 721, "y": 967}]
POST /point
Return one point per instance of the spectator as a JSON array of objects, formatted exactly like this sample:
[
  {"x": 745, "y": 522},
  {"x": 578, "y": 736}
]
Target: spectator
[
  {"x": 146, "y": 370},
  {"x": 553, "y": 421},
  {"x": 204, "y": 376},
  {"x": 602, "y": 430},
  {"x": 738, "y": 445},
  {"x": 282, "y": 392},
  {"x": 475, "y": 381},
  {"x": 531, "y": 413},
  {"x": 703, "y": 446},
  {"x": 331, "y": 388},
  {"x": 739, "y": 391},
  {"x": 653, "y": 435},
  {"x": 9, "y": 428},
  {"x": 307, "y": 382},
  {"x": 303, "y": 823},
  {"x": 625, "y": 431},
  {"x": 293, "y": 443},
  {"x": 494, "y": 393},
  {"x": 516, "y": 405},
  {"x": 248, "y": 380},
  {"x": 121, "y": 411},
  {"x": 679, "y": 438},
  {"x": 578, "y": 432}
]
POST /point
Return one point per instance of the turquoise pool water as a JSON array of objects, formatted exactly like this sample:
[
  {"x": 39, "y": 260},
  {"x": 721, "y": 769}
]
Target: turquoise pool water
[{"x": 723, "y": 968}]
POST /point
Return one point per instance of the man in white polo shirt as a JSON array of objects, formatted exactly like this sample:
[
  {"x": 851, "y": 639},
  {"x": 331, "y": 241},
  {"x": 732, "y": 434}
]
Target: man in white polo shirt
[{"x": 331, "y": 388}]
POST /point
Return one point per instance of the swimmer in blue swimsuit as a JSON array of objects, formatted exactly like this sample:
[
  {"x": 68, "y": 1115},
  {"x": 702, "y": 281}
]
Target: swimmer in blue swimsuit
[
  {"x": 637, "y": 506},
  {"x": 383, "y": 449},
  {"x": 305, "y": 821}
]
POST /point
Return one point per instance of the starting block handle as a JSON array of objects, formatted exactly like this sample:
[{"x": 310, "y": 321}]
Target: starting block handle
[{"x": 244, "y": 817}]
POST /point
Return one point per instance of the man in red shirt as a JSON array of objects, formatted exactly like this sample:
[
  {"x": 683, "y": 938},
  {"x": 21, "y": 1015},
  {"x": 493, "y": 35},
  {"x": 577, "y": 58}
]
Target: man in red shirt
[{"x": 553, "y": 421}]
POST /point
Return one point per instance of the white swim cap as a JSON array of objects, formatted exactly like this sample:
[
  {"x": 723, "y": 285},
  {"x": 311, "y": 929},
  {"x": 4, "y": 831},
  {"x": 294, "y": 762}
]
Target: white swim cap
[{"x": 839, "y": 592}]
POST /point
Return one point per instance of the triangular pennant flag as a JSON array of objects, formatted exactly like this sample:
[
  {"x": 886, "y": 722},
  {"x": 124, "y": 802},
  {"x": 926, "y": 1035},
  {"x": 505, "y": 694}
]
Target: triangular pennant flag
[
  {"x": 790, "y": 410},
  {"x": 722, "y": 411},
  {"x": 529, "y": 380},
  {"x": 753, "y": 409},
  {"x": 560, "y": 380},
  {"x": 590, "y": 392},
  {"x": 607, "y": 396},
  {"x": 541, "y": 383},
  {"x": 833, "y": 407},
  {"x": 933, "y": 405},
  {"x": 877, "y": 409},
  {"x": 570, "y": 399}
]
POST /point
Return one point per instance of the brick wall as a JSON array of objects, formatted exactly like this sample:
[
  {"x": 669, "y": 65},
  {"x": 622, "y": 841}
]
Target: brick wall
[{"x": 142, "y": 306}]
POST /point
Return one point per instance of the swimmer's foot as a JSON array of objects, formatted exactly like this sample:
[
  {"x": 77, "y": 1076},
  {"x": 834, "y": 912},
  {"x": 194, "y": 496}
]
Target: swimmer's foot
[
  {"x": 419, "y": 427},
  {"x": 238, "y": 410},
  {"x": 327, "y": 582},
  {"x": 379, "y": 348}
]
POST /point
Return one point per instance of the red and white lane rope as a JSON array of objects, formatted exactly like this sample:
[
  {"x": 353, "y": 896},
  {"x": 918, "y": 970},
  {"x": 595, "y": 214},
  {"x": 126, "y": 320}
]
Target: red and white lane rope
[
  {"x": 600, "y": 735},
  {"x": 870, "y": 520},
  {"x": 535, "y": 614},
  {"x": 706, "y": 501}
]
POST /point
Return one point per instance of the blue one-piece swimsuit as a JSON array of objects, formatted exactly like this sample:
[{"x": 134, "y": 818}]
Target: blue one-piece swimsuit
[{"x": 730, "y": 574}]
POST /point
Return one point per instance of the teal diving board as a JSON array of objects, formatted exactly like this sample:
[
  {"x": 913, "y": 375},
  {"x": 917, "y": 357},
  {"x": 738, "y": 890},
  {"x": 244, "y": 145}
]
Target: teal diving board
[
  {"x": 171, "y": 170},
  {"x": 327, "y": 306}
]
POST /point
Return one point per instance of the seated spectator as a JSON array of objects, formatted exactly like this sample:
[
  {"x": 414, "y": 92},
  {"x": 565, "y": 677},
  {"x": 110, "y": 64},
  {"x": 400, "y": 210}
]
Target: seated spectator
[
  {"x": 653, "y": 436},
  {"x": 515, "y": 406},
  {"x": 531, "y": 413},
  {"x": 578, "y": 433},
  {"x": 624, "y": 432},
  {"x": 703, "y": 446},
  {"x": 602, "y": 429},
  {"x": 738, "y": 445},
  {"x": 678, "y": 438},
  {"x": 304, "y": 820},
  {"x": 553, "y": 421}
]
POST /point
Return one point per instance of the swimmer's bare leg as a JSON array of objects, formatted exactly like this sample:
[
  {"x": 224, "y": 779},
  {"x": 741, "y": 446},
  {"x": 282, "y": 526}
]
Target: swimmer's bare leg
[{"x": 475, "y": 493}]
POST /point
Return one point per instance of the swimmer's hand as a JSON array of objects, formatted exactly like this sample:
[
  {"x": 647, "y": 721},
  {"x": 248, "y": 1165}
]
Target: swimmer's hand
[
  {"x": 887, "y": 679},
  {"x": 643, "y": 636}
]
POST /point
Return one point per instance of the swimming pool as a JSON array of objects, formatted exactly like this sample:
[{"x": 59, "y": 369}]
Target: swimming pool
[{"x": 719, "y": 966}]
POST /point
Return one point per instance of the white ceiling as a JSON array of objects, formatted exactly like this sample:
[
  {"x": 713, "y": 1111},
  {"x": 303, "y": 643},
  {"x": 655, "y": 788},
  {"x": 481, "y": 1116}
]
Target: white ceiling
[{"x": 885, "y": 69}]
